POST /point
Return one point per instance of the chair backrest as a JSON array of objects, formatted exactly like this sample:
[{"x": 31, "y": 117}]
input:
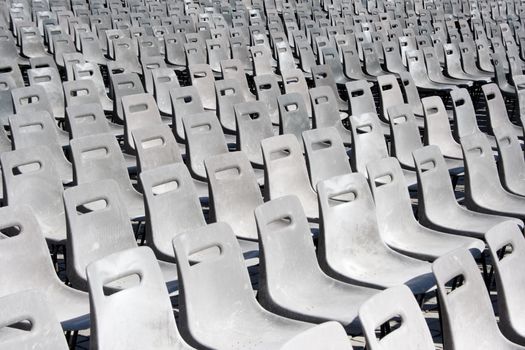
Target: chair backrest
[
  {"x": 389, "y": 92},
  {"x": 481, "y": 173},
  {"x": 410, "y": 329},
  {"x": 234, "y": 192},
  {"x": 496, "y": 108},
  {"x": 507, "y": 249},
  {"x": 204, "y": 138},
  {"x": 211, "y": 267},
  {"x": 294, "y": 81},
  {"x": 36, "y": 129},
  {"x": 465, "y": 122},
  {"x": 435, "y": 189},
  {"x": 98, "y": 225},
  {"x": 369, "y": 142},
  {"x": 325, "y": 108},
  {"x": 511, "y": 163},
  {"x": 392, "y": 199},
  {"x": 253, "y": 125},
  {"x": 293, "y": 114},
  {"x": 24, "y": 253},
  {"x": 284, "y": 166},
  {"x": 202, "y": 78},
  {"x": 268, "y": 90},
  {"x": 437, "y": 127},
  {"x": 466, "y": 311},
  {"x": 172, "y": 206},
  {"x": 155, "y": 146},
  {"x": 164, "y": 80},
  {"x": 86, "y": 119},
  {"x": 325, "y": 154},
  {"x": 185, "y": 100},
  {"x": 27, "y": 322},
  {"x": 31, "y": 99},
  {"x": 348, "y": 225},
  {"x": 79, "y": 92},
  {"x": 229, "y": 94},
  {"x": 139, "y": 316},
  {"x": 411, "y": 93},
  {"x": 30, "y": 178},
  {"x": 405, "y": 134},
  {"x": 125, "y": 84},
  {"x": 360, "y": 98},
  {"x": 287, "y": 252},
  {"x": 49, "y": 79},
  {"x": 98, "y": 157},
  {"x": 140, "y": 111}
]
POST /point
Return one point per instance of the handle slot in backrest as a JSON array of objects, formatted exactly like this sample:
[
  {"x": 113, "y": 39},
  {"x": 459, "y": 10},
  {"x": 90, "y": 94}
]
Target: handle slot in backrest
[
  {"x": 198, "y": 75},
  {"x": 21, "y": 323},
  {"x": 279, "y": 223},
  {"x": 85, "y": 118},
  {"x": 292, "y": 80},
  {"x": 357, "y": 93},
  {"x": 321, "y": 100},
  {"x": 201, "y": 128},
  {"x": 163, "y": 79},
  {"x": 227, "y": 173},
  {"x": 79, "y": 92},
  {"x": 92, "y": 206},
  {"x": 427, "y": 166},
  {"x": 386, "y": 87},
  {"x": 153, "y": 142},
  {"x": 121, "y": 282},
  {"x": 291, "y": 107},
  {"x": 139, "y": 107},
  {"x": 476, "y": 151},
  {"x": 42, "y": 79},
  {"x": 204, "y": 254},
  {"x": 26, "y": 168},
  {"x": 164, "y": 187},
  {"x": 341, "y": 197},
  {"x": 126, "y": 85},
  {"x": 364, "y": 129},
  {"x": 392, "y": 324},
  {"x": 383, "y": 180},
  {"x": 29, "y": 99},
  {"x": 95, "y": 153},
  {"x": 455, "y": 283},
  {"x": 280, "y": 154},
  {"x": 503, "y": 252},
  {"x": 228, "y": 92},
  {"x": 319, "y": 145},
  {"x": 11, "y": 230}
]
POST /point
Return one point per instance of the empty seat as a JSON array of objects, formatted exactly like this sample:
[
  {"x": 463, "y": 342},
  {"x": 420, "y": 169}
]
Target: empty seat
[
  {"x": 98, "y": 225},
  {"x": 290, "y": 271},
  {"x": 497, "y": 111},
  {"x": 30, "y": 178},
  {"x": 438, "y": 207},
  {"x": 29, "y": 308},
  {"x": 238, "y": 321},
  {"x": 139, "y": 111},
  {"x": 234, "y": 193},
  {"x": 285, "y": 173},
  {"x": 511, "y": 164},
  {"x": 326, "y": 155},
  {"x": 466, "y": 311},
  {"x": 25, "y": 264},
  {"x": 507, "y": 249},
  {"x": 137, "y": 317},
  {"x": 350, "y": 247},
  {"x": 98, "y": 157},
  {"x": 380, "y": 311},
  {"x": 326, "y": 114},
  {"x": 397, "y": 224},
  {"x": 483, "y": 190}
]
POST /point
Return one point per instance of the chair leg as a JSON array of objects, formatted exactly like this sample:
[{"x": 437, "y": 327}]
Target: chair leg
[{"x": 73, "y": 340}]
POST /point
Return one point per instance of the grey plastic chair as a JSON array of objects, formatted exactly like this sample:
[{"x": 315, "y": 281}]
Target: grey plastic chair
[
  {"x": 325, "y": 112},
  {"x": 164, "y": 79},
  {"x": 437, "y": 128},
  {"x": 86, "y": 119},
  {"x": 438, "y": 207},
  {"x": 202, "y": 79},
  {"x": 172, "y": 207},
  {"x": 139, "y": 111},
  {"x": 91, "y": 72},
  {"x": 397, "y": 224},
  {"x": 511, "y": 164},
  {"x": 29, "y": 309},
  {"x": 497, "y": 111},
  {"x": 465, "y": 121},
  {"x": 294, "y": 82},
  {"x": 395, "y": 304},
  {"x": 390, "y": 93},
  {"x": 98, "y": 225},
  {"x": 466, "y": 312},
  {"x": 137, "y": 317},
  {"x": 293, "y": 116},
  {"x": 25, "y": 264},
  {"x": 204, "y": 138},
  {"x": 125, "y": 84},
  {"x": 289, "y": 270},
  {"x": 221, "y": 275},
  {"x": 184, "y": 100},
  {"x": 234, "y": 193},
  {"x": 30, "y": 178},
  {"x": 483, "y": 190},
  {"x": 155, "y": 146},
  {"x": 49, "y": 79},
  {"x": 326, "y": 156},
  {"x": 350, "y": 246},
  {"x": 98, "y": 157},
  {"x": 267, "y": 89},
  {"x": 229, "y": 93},
  {"x": 285, "y": 173},
  {"x": 37, "y": 129},
  {"x": 507, "y": 248},
  {"x": 411, "y": 93}
]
